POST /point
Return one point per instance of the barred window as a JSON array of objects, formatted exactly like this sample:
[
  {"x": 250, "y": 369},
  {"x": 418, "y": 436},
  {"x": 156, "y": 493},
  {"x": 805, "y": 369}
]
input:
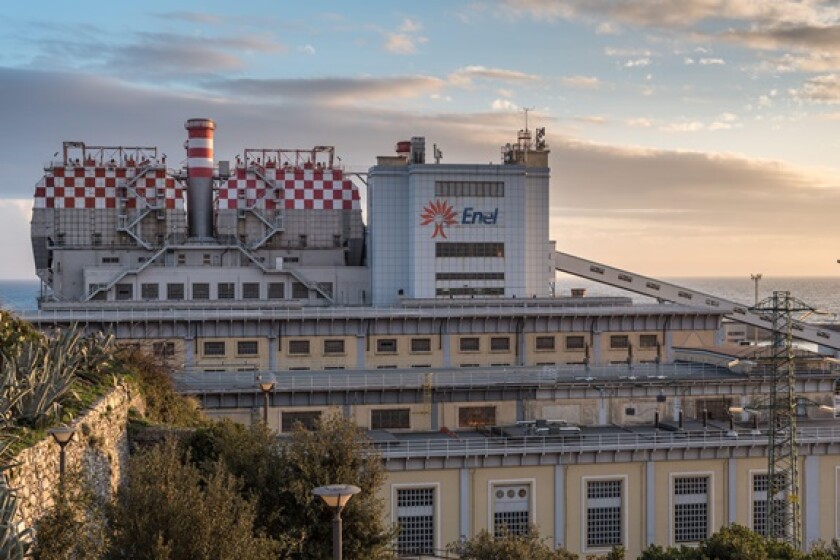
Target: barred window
[
  {"x": 276, "y": 290},
  {"x": 298, "y": 347},
  {"x": 603, "y": 513},
  {"x": 575, "y": 343},
  {"x": 247, "y": 347},
  {"x": 251, "y": 290},
  {"x": 619, "y": 341},
  {"x": 226, "y": 290},
  {"x": 511, "y": 509},
  {"x": 174, "y": 291},
  {"x": 470, "y": 276},
  {"x": 386, "y": 345},
  {"x": 500, "y": 344},
  {"x": 545, "y": 343},
  {"x": 647, "y": 341},
  {"x": 125, "y": 292},
  {"x": 691, "y": 509},
  {"x": 459, "y": 292},
  {"x": 446, "y": 249},
  {"x": 163, "y": 349},
  {"x": 761, "y": 504},
  {"x": 214, "y": 348},
  {"x": 201, "y": 291},
  {"x": 299, "y": 291},
  {"x": 390, "y": 419},
  {"x": 469, "y": 344},
  {"x": 416, "y": 521},
  {"x": 421, "y": 344},
  {"x": 149, "y": 291},
  {"x": 476, "y": 416},
  {"x": 495, "y": 189},
  {"x": 307, "y": 420},
  {"x": 334, "y": 346}
]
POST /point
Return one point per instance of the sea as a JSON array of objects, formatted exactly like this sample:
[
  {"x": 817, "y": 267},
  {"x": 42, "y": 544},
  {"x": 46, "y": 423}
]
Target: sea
[{"x": 823, "y": 293}]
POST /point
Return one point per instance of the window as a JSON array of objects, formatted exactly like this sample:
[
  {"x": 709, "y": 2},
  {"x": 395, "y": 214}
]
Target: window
[
  {"x": 647, "y": 341},
  {"x": 691, "y": 509},
  {"x": 545, "y": 343},
  {"x": 469, "y": 344},
  {"x": 470, "y": 276},
  {"x": 495, "y": 189},
  {"x": 575, "y": 343},
  {"x": 226, "y": 290},
  {"x": 276, "y": 290},
  {"x": 619, "y": 341},
  {"x": 163, "y": 349},
  {"x": 149, "y": 291},
  {"x": 215, "y": 348},
  {"x": 390, "y": 419},
  {"x": 500, "y": 344},
  {"x": 446, "y": 249},
  {"x": 125, "y": 292},
  {"x": 174, "y": 291},
  {"x": 247, "y": 348},
  {"x": 603, "y": 513},
  {"x": 201, "y": 291},
  {"x": 421, "y": 344},
  {"x": 205, "y": 258},
  {"x": 334, "y": 346},
  {"x": 110, "y": 260},
  {"x": 416, "y": 520},
  {"x": 303, "y": 240},
  {"x": 476, "y": 416},
  {"x": 298, "y": 347},
  {"x": 182, "y": 258},
  {"x": 761, "y": 503},
  {"x": 307, "y": 420},
  {"x": 386, "y": 346},
  {"x": 299, "y": 291},
  {"x": 511, "y": 509},
  {"x": 251, "y": 290},
  {"x": 449, "y": 292}
]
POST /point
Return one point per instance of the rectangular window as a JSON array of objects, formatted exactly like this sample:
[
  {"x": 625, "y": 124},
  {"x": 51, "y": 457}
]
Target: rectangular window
[
  {"x": 182, "y": 258},
  {"x": 619, "y": 341},
  {"x": 421, "y": 345},
  {"x": 603, "y": 513},
  {"x": 250, "y": 290},
  {"x": 205, "y": 258},
  {"x": 292, "y": 420},
  {"x": 446, "y": 249},
  {"x": 390, "y": 419},
  {"x": 149, "y": 291},
  {"x": 276, "y": 290},
  {"x": 386, "y": 346},
  {"x": 174, "y": 291},
  {"x": 226, "y": 290},
  {"x": 298, "y": 347},
  {"x": 247, "y": 348},
  {"x": 214, "y": 348},
  {"x": 110, "y": 260},
  {"x": 476, "y": 416},
  {"x": 299, "y": 291},
  {"x": 125, "y": 292},
  {"x": 461, "y": 292},
  {"x": 479, "y": 189},
  {"x": 545, "y": 343},
  {"x": 470, "y": 276},
  {"x": 761, "y": 502},
  {"x": 163, "y": 349},
  {"x": 500, "y": 344},
  {"x": 575, "y": 343},
  {"x": 691, "y": 509},
  {"x": 334, "y": 346},
  {"x": 469, "y": 344},
  {"x": 201, "y": 291},
  {"x": 647, "y": 341},
  {"x": 511, "y": 509},
  {"x": 416, "y": 521}
]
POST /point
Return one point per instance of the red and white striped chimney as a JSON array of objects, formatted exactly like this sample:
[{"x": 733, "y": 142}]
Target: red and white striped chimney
[{"x": 200, "y": 177}]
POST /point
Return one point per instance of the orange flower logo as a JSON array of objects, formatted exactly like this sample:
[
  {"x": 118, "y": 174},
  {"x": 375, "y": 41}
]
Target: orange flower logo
[{"x": 439, "y": 213}]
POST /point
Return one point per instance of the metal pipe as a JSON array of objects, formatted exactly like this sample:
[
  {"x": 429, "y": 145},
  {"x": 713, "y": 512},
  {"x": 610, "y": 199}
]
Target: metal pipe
[{"x": 337, "y": 552}]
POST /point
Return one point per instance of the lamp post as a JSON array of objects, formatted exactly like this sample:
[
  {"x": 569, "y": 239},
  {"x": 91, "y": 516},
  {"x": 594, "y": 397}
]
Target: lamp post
[
  {"x": 756, "y": 278},
  {"x": 266, "y": 387},
  {"x": 62, "y": 436},
  {"x": 336, "y": 497}
]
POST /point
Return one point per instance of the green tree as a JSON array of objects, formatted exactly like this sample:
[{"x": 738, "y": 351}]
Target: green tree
[
  {"x": 736, "y": 542},
  {"x": 485, "y": 546},
  {"x": 169, "y": 510}
]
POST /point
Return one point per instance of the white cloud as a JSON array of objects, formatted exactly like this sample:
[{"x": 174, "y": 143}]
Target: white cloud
[
  {"x": 607, "y": 28},
  {"x": 627, "y": 52},
  {"x": 306, "y": 49},
  {"x": 640, "y": 122},
  {"x": 400, "y": 43},
  {"x": 410, "y": 26},
  {"x": 820, "y": 89},
  {"x": 639, "y": 62},
  {"x": 711, "y": 61},
  {"x": 465, "y": 76},
  {"x": 688, "y": 60},
  {"x": 582, "y": 82},
  {"x": 504, "y": 105},
  {"x": 504, "y": 92}
]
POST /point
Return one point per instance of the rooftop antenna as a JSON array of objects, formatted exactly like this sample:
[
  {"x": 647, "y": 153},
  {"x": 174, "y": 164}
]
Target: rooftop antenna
[{"x": 526, "y": 110}]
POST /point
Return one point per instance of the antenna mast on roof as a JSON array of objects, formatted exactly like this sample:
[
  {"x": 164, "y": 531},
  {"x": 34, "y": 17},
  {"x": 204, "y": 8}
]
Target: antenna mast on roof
[{"x": 526, "y": 110}]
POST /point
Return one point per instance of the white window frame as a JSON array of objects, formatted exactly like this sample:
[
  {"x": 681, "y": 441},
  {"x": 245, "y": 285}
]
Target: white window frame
[
  {"x": 532, "y": 499},
  {"x": 415, "y": 486},
  {"x": 710, "y": 503},
  {"x": 584, "y": 526}
]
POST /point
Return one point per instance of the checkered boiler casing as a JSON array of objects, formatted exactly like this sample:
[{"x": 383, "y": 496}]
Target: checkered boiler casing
[
  {"x": 96, "y": 187},
  {"x": 298, "y": 189}
]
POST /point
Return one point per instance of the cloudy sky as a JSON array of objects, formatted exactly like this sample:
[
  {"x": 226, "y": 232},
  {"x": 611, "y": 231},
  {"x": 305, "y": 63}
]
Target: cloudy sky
[{"x": 687, "y": 137}]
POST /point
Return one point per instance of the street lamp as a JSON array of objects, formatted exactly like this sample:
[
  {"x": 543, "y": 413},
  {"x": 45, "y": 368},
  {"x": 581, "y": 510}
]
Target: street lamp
[
  {"x": 62, "y": 436},
  {"x": 336, "y": 497},
  {"x": 266, "y": 387}
]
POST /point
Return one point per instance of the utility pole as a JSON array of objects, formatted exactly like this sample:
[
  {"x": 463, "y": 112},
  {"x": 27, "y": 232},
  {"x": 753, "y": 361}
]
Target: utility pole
[{"x": 755, "y": 278}]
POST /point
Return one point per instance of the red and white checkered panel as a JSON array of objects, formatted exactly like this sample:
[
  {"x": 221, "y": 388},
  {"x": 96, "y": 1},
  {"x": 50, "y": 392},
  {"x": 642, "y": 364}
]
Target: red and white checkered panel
[
  {"x": 97, "y": 187},
  {"x": 298, "y": 189}
]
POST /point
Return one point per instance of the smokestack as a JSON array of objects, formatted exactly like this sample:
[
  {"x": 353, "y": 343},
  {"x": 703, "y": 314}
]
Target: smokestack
[{"x": 200, "y": 178}]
